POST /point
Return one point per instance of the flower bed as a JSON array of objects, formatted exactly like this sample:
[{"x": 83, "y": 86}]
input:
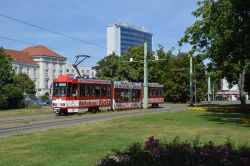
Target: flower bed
[
  {"x": 156, "y": 152},
  {"x": 214, "y": 109}
]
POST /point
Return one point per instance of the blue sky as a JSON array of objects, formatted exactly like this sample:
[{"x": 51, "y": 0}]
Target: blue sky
[{"x": 88, "y": 19}]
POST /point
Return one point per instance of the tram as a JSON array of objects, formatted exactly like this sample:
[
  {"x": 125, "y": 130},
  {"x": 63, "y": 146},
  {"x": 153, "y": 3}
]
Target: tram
[{"x": 72, "y": 95}]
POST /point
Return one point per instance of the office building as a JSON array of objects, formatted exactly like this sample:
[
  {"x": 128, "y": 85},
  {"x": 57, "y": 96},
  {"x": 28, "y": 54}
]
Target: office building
[{"x": 121, "y": 36}]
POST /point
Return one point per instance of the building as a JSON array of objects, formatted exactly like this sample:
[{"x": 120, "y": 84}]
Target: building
[
  {"x": 43, "y": 65},
  {"x": 229, "y": 93},
  {"x": 85, "y": 71},
  {"x": 50, "y": 64},
  {"x": 23, "y": 63},
  {"x": 121, "y": 36}
]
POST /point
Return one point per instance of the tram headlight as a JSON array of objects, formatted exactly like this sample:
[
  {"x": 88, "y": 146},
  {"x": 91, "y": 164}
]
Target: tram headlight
[
  {"x": 62, "y": 104},
  {"x": 54, "y": 104}
]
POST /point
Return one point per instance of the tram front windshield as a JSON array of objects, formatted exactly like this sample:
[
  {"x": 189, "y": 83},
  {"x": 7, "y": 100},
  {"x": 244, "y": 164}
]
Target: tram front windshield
[{"x": 60, "y": 89}]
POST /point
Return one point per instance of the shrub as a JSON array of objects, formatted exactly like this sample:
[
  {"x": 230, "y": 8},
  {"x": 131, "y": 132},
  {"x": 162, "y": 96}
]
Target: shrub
[
  {"x": 156, "y": 152},
  {"x": 11, "y": 97}
]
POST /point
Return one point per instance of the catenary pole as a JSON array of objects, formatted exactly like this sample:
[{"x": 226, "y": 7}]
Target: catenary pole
[
  {"x": 191, "y": 81},
  {"x": 145, "y": 85},
  {"x": 209, "y": 89}
]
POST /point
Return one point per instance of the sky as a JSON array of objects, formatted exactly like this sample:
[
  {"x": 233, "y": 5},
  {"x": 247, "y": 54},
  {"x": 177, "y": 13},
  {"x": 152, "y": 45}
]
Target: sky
[{"x": 87, "y": 20}]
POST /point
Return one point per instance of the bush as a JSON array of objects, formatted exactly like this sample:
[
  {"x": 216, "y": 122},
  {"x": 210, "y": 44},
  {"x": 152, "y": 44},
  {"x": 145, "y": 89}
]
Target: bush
[
  {"x": 156, "y": 152},
  {"x": 11, "y": 97}
]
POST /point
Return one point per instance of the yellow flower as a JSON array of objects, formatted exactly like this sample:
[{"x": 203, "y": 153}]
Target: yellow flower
[{"x": 197, "y": 109}]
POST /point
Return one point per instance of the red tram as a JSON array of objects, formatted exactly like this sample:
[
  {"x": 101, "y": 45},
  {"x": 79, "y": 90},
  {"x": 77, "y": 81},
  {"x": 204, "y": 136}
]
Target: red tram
[{"x": 72, "y": 95}]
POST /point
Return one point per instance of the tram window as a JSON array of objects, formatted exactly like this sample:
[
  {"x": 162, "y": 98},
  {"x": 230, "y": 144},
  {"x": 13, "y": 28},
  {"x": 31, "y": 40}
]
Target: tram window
[
  {"x": 150, "y": 92},
  {"x": 89, "y": 90},
  {"x": 126, "y": 95},
  {"x": 74, "y": 90},
  {"x": 157, "y": 91},
  {"x": 97, "y": 90},
  {"x": 69, "y": 90},
  {"x": 63, "y": 91},
  {"x": 108, "y": 90},
  {"x": 104, "y": 90},
  {"x": 123, "y": 95},
  {"x": 161, "y": 92},
  {"x": 136, "y": 95},
  {"x": 82, "y": 90},
  {"x": 117, "y": 95}
]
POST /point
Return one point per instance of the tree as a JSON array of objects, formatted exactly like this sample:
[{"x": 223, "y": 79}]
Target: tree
[
  {"x": 23, "y": 82},
  {"x": 222, "y": 33},
  {"x": 176, "y": 84},
  {"x": 10, "y": 95},
  {"x": 108, "y": 67},
  {"x": 6, "y": 72},
  {"x": 134, "y": 71}
]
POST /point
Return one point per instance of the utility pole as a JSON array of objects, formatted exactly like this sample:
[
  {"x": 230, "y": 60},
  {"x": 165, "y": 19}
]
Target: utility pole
[
  {"x": 191, "y": 81},
  {"x": 213, "y": 91},
  {"x": 195, "y": 82},
  {"x": 145, "y": 85},
  {"x": 209, "y": 88}
]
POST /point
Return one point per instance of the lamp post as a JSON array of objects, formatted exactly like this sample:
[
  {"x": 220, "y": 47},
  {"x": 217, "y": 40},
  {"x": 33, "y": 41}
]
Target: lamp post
[{"x": 145, "y": 84}]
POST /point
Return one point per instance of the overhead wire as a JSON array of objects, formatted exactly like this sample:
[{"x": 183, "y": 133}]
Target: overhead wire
[
  {"x": 52, "y": 31},
  {"x": 28, "y": 43}
]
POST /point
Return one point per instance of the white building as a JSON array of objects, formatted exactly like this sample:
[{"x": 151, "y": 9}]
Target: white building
[
  {"x": 85, "y": 71},
  {"x": 228, "y": 93},
  {"x": 23, "y": 63},
  {"x": 43, "y": 65},
  {"x": 121, "y": 36}
]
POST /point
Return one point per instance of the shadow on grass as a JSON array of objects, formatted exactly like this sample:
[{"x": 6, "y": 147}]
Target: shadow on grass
[{"x": 242, "y": 119}]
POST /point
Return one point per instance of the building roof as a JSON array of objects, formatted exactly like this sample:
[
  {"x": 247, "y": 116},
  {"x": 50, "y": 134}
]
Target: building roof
[
  {"x": 20, "y": 56},
  {"x": 124, "y": 24},
  {"x": 41, "y": 51}
]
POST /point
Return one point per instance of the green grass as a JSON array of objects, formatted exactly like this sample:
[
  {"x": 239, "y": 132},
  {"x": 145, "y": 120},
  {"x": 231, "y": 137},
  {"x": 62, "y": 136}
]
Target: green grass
[
  {"x": 12, "y": 113},
  {"x": 86, "y": 143}
]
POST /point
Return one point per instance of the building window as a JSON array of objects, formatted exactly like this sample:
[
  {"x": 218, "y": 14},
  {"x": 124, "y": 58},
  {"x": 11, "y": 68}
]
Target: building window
[
  {"x": 16, "y": 70},
  {"x": 60, "y": 66},
  {"x": 21, "y": 69},
  {"x": 82, "y": 71},
  {"x": 46, "y": 84},
  {"x": 46, "y": 65},
  {"x": 72, "y": 70},
  {"x": 28, "y": 71},
  {"x": 67, "y": 70},
  {"x": 61, "y": 72},
  {"x": 54, "y": 74},
  {"x": 47, "y": 73},
  {"x": 34, "y": 73},
  {"x": 88, "y": 71}
]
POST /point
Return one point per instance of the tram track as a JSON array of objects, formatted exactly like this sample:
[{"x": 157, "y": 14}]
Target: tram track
[{"x": 41, "y": 126}]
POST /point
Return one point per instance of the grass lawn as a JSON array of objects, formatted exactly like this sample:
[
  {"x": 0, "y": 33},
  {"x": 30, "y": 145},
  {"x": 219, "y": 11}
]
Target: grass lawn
[
  {"x": 86, "y": 143},
  {"x": 12, "y": 113}
]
